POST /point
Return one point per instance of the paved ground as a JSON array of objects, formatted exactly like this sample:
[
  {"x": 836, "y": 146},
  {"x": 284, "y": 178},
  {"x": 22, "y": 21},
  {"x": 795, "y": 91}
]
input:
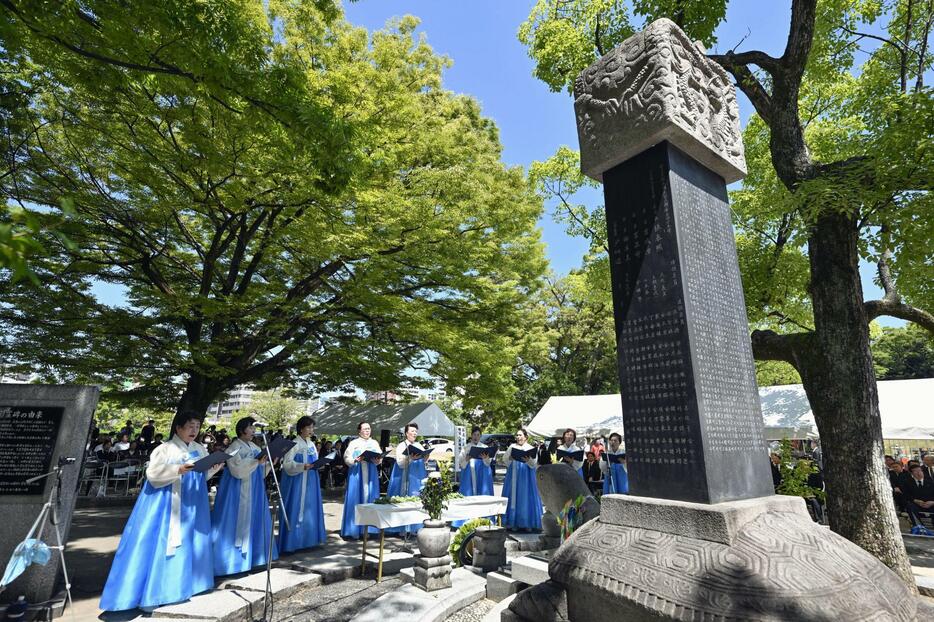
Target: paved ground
[
  {"x": 473, "y": 613},
  {"x": 96, "y": 532}
]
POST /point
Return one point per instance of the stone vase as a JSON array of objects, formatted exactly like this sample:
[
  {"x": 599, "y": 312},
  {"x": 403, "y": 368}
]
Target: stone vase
[{"x": 434, "y": 538}]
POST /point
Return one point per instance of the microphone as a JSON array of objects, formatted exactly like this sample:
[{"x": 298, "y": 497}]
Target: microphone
[{"x": 260, "y": 424}]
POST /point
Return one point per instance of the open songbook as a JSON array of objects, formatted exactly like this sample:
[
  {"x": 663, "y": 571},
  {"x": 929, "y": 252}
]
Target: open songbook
[
  {"x": 613, "y": 458},
  {"x": 210, "y": 460},
  {"x": 477, "y": 450},
  {"x": 415, "y": 451},
  {"x": 323, "y": 461},
  {"x": 577, "y": 455},
  {"x": 280, "y": 447},
  {"x": 371, "y": 455},
  {"x": 519, "y": 454}
]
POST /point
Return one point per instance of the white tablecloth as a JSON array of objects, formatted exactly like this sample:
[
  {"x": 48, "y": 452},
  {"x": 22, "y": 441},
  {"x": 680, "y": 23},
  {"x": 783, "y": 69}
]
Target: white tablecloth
[{"x": 386, "y": 515}]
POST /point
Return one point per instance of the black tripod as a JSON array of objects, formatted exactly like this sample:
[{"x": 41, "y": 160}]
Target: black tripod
[{"x": 277, "y": 505}]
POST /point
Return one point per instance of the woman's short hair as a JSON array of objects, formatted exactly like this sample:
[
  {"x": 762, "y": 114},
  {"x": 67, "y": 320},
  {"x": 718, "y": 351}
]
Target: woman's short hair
[
  {"x": 243, "y": 424},
  {"x": 410, "y": 425},
  {"x": 476, "y": 428},
  {"x": 572, "y": 431},
  {"x": 617, "y": 435},
  {"x": 361, "y": 424},
  {"x": 523, "y": 430},
  {"x": 181, "y": 419},
  {"x": 303, "y": 422}
]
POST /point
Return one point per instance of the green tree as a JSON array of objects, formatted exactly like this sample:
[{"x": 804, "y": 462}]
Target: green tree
[
  {"x": 279, "y": 411},
  {"x": 284, "y": 199},
  {"x": 903, "y": 353},
  {"x": 839, "y": 157}
]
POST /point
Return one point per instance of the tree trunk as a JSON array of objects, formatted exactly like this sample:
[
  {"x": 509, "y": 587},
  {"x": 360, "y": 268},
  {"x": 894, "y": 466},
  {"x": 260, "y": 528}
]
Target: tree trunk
[
  {"x": 197, "y": 396},
  {"x": 838, "y": 377}
]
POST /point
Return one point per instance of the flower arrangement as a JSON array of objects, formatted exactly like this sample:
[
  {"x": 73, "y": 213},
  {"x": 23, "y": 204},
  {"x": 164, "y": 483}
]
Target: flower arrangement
[
  {"x": 460, "y": 538},
  {"x": 570, "y": 517},
  {"x": 436, "y": 491}
]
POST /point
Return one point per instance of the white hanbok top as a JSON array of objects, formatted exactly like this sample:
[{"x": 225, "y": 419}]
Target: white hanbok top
[
  {"x": 575, "y": 464},
  {"x": 533, "y": 461},
  {"x": 294, "y": 468},
  {"x": 464, "y": 458},
  {"x": 162, "y": 471},
  {"x": 241, "y": 465},
  {"x": 605, "y": 465},
  {"x": 401, "y": 459},
  {"x": 356, "y": 447}
]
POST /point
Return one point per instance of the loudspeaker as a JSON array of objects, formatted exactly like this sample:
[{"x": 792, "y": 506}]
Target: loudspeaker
[{"x": 384, "y": 438}]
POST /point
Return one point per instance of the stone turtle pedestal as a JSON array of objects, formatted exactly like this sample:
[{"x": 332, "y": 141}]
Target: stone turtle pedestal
[
  {"x": 433, "y": 573},
  {"x": 489, "y": 548},
  {"x": 755, "y": 559}
]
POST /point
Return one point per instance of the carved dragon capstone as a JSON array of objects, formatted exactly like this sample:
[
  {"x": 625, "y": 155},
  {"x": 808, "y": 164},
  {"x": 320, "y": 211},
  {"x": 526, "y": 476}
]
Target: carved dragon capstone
[{"x": 657, "y": 86}]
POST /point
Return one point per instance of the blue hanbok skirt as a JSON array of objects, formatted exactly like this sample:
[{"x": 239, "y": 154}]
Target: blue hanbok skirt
[
  {"x": 620, "y": 480},
  {"x": 524, "y": 510},
  {"x": 417, "y": 473},
  {"x": 484, "y": 477},
  {"x": 306, "y": 525},
  {"x": 359, "y": 491},
  {"x": 229, "y": 558},
  {"x": 142, "y": 575}
]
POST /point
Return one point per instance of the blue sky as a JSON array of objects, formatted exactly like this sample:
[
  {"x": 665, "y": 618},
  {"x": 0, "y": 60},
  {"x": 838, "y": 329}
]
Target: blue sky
[{"x": 491, "y": 65}]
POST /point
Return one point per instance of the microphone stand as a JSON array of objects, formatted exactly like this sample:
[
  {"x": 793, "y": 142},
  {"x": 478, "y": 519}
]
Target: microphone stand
[
  {"x": 49, "y": 513},
  {"x": 267, "y": 597}
]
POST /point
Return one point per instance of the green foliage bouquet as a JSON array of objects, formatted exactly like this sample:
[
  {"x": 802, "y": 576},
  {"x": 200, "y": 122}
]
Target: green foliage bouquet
[{"x": 436, "y": 491}]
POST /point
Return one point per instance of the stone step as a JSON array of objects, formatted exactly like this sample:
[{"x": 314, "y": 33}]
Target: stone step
[
  {"x": 332, "y": 568},
  {"x": 219, "y": 605},
  {"x": 412, "y": 604},
  {"x": 925, "y": 585},
  {"x": 500, "y": 586},
  {"x": 518, "y": 541},
  {"x": 285, "y": 582},
  {"x": 529, "y": 570},
  {"x": 496, "y": 613}
]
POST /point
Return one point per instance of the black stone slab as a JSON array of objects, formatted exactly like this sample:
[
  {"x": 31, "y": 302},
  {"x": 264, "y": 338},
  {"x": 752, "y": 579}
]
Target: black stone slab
[
  {"x": 39, "y": 424},
  {"x": 691, "y": 410},
  {"x": 27, "y": 440}
]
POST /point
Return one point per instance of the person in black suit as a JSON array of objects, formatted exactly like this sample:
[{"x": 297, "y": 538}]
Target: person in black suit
[
  {"x": 776, "y": 472},
  {"x": 896, "y": 471},
  {"x": 593, "y": 476},
  {"x": 918, "y": 493},
  {"x": 928, "y": 466}
]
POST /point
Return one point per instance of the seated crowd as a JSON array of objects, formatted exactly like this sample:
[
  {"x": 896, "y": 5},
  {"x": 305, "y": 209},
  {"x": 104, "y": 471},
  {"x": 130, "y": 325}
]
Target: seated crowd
[{"x": 913, "y": 487}]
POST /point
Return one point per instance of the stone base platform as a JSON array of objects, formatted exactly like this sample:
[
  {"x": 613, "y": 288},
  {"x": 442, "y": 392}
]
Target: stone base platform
[{"x": 758, "y": 559}]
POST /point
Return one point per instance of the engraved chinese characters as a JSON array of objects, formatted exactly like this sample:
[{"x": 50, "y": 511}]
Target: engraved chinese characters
[
  {"x": 690, "y": 407},
  {"x": 657, "y": 86},
  {"x": 27, "y": 440}
]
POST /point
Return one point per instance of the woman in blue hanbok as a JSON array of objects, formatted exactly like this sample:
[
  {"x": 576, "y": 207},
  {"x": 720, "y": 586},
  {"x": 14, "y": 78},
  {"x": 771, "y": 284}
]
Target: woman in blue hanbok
[
  {"x": 524, "y": 509},
  {"x": 362, "y": 479},
  {"x": 615, "y": 477},
  {"x": 165, "y": 551},
  {"x": 570, "y": 444},
  {"x": 407, "y": 474},
  {"x": 301, "y": 494},
  {"x": 241, "y": 524},
  {"x": 476, "y": 475}
]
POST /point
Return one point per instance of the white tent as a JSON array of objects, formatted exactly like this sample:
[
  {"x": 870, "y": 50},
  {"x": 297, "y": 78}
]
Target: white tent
[
  {"x": 342, "y": 419},
  {"x": 905, "y": 406},
  {"x": 589, "y": 415}
]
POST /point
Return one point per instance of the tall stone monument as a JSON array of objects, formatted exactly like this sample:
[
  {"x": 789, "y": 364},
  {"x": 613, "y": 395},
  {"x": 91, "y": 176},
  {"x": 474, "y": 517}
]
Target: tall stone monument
[
  {"x": 701, "y": 537},
  {"x": 39, "y": 425}
]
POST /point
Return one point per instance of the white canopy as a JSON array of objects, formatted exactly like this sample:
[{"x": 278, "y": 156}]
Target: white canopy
[
  {"x": 342, "y": 419},
  {"x": 589, "y": 415},
  {"x": 905, "y": 406}
]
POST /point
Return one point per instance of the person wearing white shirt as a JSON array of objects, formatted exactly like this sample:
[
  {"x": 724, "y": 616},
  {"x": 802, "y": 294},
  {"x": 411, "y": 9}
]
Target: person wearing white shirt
[
  {"x": 524, "y": 508},
  {"x": 362, "y": 479},
  {"x": 241, "y": 525},
  {"x": 476, "y": 476},
  {"x": 615, "y": 475},
  {"x": 164, "y": 554},
  {"x": 301, "y": 493},
  {"x": 569, "y": 443}
]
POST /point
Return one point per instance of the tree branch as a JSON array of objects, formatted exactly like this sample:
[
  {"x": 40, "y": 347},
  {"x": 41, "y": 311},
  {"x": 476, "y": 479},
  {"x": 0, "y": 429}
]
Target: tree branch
[{"x": 898, "y": 309}]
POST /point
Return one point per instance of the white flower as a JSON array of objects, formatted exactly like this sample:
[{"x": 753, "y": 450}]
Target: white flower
[{"x": 434, "y": 475}]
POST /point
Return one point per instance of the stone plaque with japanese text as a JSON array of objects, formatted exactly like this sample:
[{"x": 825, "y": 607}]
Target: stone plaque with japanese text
[{"x": 27, "y": 440}]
